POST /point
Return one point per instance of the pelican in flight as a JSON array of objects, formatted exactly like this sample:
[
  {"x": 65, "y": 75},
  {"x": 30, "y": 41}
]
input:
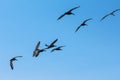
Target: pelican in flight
[
  {"x": 69, "y": 12},
  {"x": 52, "y": 44},
  {"x": 112, "y": 14},
  {"x": 57, "y": 48},
  {"x": 37, "y": 50},
  {"x": 11, "y": 61},
  {"x": 83, "y": 24}
]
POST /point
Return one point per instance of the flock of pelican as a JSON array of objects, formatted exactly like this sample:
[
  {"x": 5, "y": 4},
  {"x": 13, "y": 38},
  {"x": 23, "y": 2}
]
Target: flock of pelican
[
  {"x": 69, "y": 12},
  {"x": 52, "y": 45},
  {"x": 37, "y": 51}
]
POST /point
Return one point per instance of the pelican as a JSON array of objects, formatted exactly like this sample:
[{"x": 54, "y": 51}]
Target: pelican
[
  {"x": 37, "y": 50},
  {"x": 83, "y": 24},
  {"x": 11, "y": 61},
  {"x": 52, "y": 44},
  {"x": 69, "y": 12},
  {"x": 112, "y": 14}
]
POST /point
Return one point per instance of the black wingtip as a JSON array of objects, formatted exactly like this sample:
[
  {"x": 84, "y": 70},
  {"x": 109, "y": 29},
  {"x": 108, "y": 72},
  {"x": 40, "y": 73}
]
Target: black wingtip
[{"x": 75, "y": 31}]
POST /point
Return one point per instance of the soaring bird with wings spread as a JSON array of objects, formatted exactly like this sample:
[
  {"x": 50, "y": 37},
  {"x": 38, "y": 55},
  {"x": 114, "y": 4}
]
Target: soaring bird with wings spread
[
  {"x": 69, "y": 12},
  {"x": 112, "y": 14},
  {"x": 83, "y": 24}
]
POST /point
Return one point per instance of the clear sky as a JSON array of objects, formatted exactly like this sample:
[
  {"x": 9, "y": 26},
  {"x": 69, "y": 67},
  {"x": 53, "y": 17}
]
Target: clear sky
[{"x": 93, "y": 53}]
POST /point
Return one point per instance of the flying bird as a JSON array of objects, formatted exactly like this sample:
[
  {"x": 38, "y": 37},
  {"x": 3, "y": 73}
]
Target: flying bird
[
  {"x": 11, "y": 61},
  {"x": 37, "y": 50},
  {"x": 69, "y": 12},
  {"x": 52, "y": 44},
  {"x": 83, "y": 24},
  {"x": 57, "y": 48},
  {"x": 112, "y": 14}
]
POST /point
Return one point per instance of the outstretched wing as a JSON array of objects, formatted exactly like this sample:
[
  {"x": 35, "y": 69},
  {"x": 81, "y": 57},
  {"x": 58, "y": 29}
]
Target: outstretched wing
[
  {"x": 17, "y": 56},
  {"x": 104, "y": 17},
  {"x": 61, "y": 46},
  {"x": 53, "y": 50},
  {"x": 58, "y": 48},
  {"x": 115, "y": 10},
  {"x": 77, "y": 28},
  {"x": 11, "y": 64},
  {"x": 87, "y": 20},
  {"x": 61, "y": 16},
  {"x": 54, "y": 42},
  {"x": 37, "y": 46},
  {"x": 73, "y": 8}
]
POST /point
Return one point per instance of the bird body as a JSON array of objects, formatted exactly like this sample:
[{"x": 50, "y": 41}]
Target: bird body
[{"x": 37, "y": 50}]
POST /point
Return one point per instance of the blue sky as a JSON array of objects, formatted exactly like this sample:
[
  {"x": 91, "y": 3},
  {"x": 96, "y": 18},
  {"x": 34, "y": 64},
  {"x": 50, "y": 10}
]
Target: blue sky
[{"x": 90, "y": 54}]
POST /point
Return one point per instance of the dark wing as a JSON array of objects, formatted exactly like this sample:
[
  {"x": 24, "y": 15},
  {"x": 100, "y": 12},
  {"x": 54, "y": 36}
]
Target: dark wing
[
  {"x": 11, "y": 64},
  {"x": 54, "y": 42},
  {"x": 115, "y": 10},
  {"x": 87, "y": 20},
  {"x": 61, "y": 16},
  {"x": 61, "y": 46},
  {"x": 77, "y": 28},
  {"x": 104, "y": 17},
  {"x": 112, "y": 13},
  {"x": 17, "y": 56},
  {"x": 73, "y": 8},
  {"x": 53, "y": 49},
  {"x": 57, "y": 48},
  {"x": 37, "y": 46}
]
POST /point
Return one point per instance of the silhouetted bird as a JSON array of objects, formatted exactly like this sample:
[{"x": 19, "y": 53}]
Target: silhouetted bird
[
  {"x": 57, "y": 48},
  {"x": 37, "y": 50},
  {"x": 112, "y": 14},
  {"x": 52, "y": 44},
  {"x": 13, "y": 59},
  {"x": 83, "y": 24},
  {"x": 68, "y": 12}
]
